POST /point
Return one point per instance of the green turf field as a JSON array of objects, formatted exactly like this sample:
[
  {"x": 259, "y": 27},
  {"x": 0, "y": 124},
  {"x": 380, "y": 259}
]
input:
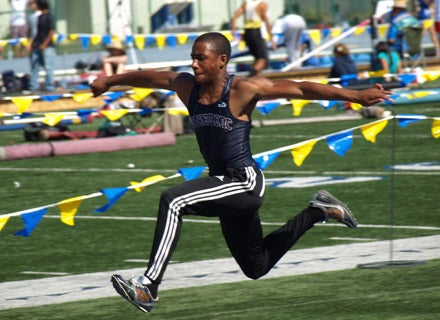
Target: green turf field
[{"x": 93, "y": 245}]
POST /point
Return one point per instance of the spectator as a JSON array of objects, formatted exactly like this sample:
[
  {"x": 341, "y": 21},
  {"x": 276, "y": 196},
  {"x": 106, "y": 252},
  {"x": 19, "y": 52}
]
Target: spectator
[
  {"x": 255, "y": 14},
  {"x": 343, "y": 64},
  {"x": 18, "y": 24},
  {"x": 388, "y": 61},
  {"x": 291, "y": 27},
  {"x": 42, "y": 50},
  {"x": 400, "y": 19},
  {"x": 115, "y": 62},
  {"x": 424, "y": 11}
]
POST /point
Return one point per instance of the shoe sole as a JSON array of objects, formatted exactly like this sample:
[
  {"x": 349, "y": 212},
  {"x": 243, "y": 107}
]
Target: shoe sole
[
  {"x": 349, "y": 220},
  {"x": 120, "y": 289}
]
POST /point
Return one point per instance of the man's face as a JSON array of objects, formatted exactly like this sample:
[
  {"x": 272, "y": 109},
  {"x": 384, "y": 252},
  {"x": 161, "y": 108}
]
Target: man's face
[{"x": 205, "y": 63}]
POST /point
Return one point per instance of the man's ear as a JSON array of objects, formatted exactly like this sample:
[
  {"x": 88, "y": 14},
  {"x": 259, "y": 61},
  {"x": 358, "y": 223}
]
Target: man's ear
[{"x": 224, "y": 60}]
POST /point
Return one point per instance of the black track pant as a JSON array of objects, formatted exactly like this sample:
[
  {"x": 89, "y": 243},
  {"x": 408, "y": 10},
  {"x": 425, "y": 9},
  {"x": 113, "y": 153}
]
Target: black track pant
[{"x": 235, "y": 198}]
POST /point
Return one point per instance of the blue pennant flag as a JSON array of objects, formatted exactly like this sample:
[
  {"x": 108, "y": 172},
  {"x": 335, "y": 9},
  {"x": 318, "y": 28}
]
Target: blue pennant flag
[
  {"x": 107, "y": 39},
  {"x": 30, "y": 221},
  {"x": 23, "y": 115},
  {"x": 145, "y": 112},
  {"x": 129, "y": 39},
  {"x": 85, "y": 112},
  {"x": 109, "y": 97},
  {"x": 113, "y": 195},
  {"x": 191, "y": 173},
  {"x": 340, "y": 143},
  {"x": 406, "y": 119},
  {"x": 268, "y": 107},
  {"x": 172, "y": 40},
  {"x": 264, "y": 161},
  {"x": 52, "y": 97},
  {"x": 149, "y": 39},
  {"x": 85, "y": 40},
  {"x": 407, "y": 78}
]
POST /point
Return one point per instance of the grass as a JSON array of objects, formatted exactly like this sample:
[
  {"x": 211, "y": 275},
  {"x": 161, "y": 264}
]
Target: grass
[{"x": 104, "y": 245}]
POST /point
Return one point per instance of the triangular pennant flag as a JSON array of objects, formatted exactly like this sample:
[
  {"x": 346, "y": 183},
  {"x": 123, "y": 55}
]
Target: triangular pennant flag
[
  {"x": 95, "y": 39},
  {"x": 110, "y": 97},
  {"x": 114, "y": 115},
  {"x": 325, "y": 32},
  {"x": 268, "y": 107},
  {"x": 85, "y": 112},
  {"x": 435, "y": 128},
  {"x": 140, "y": 41},
  {"x": 191, "y": 173},
  {"x": 68, "y": 209},
  {"x": 418, "y": 94},
  {"x": 355, "y": 106},
  {"x": 359, "y": 30},
  {"x": 22, "y": 103},
  {"x": 301, "y": 152},
  {"x": 30, "y": 221},
  {"x": 106, "y": 39},
  {"x": 377, "y": 74},
  {"x": 113, "y": 195},
  {"x": 407, "y": 119},
  {"x": 335, "y": 32},
  {"x": 3, "y": 222},
  {"x": 140, "y": 93},
  {"x": 315, "y": 35},
  {"x": 82, "y": 97},
  {"x": 264, "y": 161},
  {"x": 370, "y": 131},
  {"x": 407, "y": 78},
  {"x": 178, "y": 111},
  {"x": 52, "y": 119},
  {"x": 139, "y": 186},
  {"x": 160, "y": 40},
  {"x": 172, "y": 40},
  {"x": 340, "y": 143},
  {"x": 85, "y": 40},
  {"x": 73, "y": 36},
  {"x": 241, "y": 45},
  {"x": 129, "y": 38},
  {"x": 182, "y": 38},
  {"x": 327, "y": 104},
  {"x": 298, "y": 105},
  {"x": 382, "y": 30},
  {"x": 52, "y": 97},
  {"x": 431, "y": 75}
]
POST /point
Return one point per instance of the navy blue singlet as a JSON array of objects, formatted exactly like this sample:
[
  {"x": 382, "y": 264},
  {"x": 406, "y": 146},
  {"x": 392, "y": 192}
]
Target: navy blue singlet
[{"x": 223, "y": 139}]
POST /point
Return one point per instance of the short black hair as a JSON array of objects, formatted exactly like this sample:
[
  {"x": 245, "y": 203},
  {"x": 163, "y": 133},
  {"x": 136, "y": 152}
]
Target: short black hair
[
  {"x": 220, "y": 43},
  {"x": 42, "y": 4}
]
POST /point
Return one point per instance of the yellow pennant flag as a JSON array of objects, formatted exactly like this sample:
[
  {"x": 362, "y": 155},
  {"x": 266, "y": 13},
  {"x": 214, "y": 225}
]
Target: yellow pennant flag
[
  {"x": 140, "y": 41},
  {"x": 3, "y": 222},
  {"x": 95, "y": 39},
  {"x": 24, "y": 41},
  {"x": 370, "y": 131},
  {"x": 301, "y": 152},
  {"x": 377, "y": 74},
  {"x": 419, "y": 94},
  {"x": 241, "y": 45},
  {"x": 22, "y": 103},
  {"x": 140, "y": 93},
  {"x": 178, "y": 112},
  {"x": 431, "y": 75},
  {"x": 1, "y": 114},
  {"x": 68, "y": 209},
  {"x": 73, "y": 36},
  {"x": 382, "y": 30},
  {"x": 3, "y": 43},
  {"x": 160, "y": 40},
  {"x": 228, "y": 36},
  {"x": 82, "y": 97},
  {"x": 139, "y": 186},
  {"x": 52, "y": 119},
  {"x": 315, "y": 35},
  {"x": 114, "y": 115},
  {"x": 182, "y": 38},
  {"x": 335, "y": 32},
  {"x": 359, "y": 30},
  {"x": 435, "y": 129},
  {"x": 355, "y": 106},
  {"x": 298, "y": 105}
]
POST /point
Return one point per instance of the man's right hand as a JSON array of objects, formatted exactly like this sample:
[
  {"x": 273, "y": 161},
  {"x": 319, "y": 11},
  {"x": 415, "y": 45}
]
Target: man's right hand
[{"x": 99, "y": 86}]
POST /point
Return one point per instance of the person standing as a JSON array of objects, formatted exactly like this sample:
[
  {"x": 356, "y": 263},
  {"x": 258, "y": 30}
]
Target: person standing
[
  {"x": 291, "y": 27},
  {"x": 255, "y": 13},
  {"x": 400, "y": 19},
  {"x": 425, "y": 11},
  {"x": 18, "y": 24},
  {"x": 42, "y": 50},
  {"x": 220, "y": 106}
]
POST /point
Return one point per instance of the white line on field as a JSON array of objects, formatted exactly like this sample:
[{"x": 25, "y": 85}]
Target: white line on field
[{"x": 372, "y": 226}]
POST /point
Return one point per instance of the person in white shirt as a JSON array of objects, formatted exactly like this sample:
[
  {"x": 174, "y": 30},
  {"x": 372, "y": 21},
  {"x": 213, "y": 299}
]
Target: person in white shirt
[{"x": 18, "y": 24}]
